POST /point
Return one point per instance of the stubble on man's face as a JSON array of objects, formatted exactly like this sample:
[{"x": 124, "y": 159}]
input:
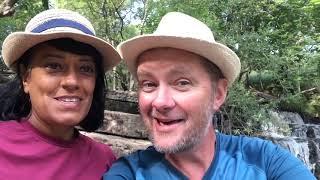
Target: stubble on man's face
[{"x": 187, "y": 95}]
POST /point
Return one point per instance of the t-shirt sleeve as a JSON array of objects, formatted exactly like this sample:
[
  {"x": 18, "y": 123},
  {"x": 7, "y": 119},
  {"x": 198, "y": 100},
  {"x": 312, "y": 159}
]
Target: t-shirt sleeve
[
  {"x": 120, "y": 170},
  {"x": 282, "y": 165},
  {"x": 111, "y": 157}
]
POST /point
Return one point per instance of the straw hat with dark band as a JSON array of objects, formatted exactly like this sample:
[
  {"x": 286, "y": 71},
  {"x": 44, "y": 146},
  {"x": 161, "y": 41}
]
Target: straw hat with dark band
[
  {"x": 178, "y": 30},
  {"x": 54, "y": 24}
]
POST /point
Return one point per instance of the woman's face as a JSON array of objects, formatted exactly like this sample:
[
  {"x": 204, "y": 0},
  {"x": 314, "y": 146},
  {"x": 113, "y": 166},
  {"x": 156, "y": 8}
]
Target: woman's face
[{"x": 61, "y": 86}]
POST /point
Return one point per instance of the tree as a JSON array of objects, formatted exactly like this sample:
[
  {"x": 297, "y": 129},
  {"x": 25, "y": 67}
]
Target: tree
[
  {"x": 7, "y": 7},
  {"x": 276, "y": 40}
]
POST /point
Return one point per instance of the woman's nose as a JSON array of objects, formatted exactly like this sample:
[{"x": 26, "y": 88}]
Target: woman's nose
[{"x": 71, "y": 80}]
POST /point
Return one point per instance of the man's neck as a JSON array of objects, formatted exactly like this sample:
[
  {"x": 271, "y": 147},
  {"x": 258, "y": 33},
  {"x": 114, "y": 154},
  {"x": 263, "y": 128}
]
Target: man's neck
[{"x": 195, "y": 162}]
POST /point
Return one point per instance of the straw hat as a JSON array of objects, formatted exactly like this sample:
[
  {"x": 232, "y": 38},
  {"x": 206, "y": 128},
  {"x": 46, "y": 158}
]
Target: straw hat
[
  {"x": 54, "y": 24},
  {"x": 178, "y": 30}
]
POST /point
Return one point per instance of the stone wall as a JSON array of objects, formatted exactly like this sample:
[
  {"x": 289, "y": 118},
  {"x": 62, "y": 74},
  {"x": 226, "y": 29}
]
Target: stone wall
[
  {"x": 124, "y": 131},
  {"x": 122, "y": 128}
]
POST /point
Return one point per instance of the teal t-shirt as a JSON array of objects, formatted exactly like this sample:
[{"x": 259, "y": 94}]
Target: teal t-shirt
[{"x": 237, "y": 157}]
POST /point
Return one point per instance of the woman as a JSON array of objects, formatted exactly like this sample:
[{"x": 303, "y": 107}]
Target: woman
[{"x": 59, "y": 84}]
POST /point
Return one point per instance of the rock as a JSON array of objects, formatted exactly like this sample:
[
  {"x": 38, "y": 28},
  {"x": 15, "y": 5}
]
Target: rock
[
  {"x": 120, "y": 146},
  {"x": 288, "y": 117},
  {"x": 317, "y": 170},
  {"x": 299, "y": 147},
  {"x": 123, "y": 124},
  {"x": 122, "y": 106},
  {"x": 122, "y": 101},
  {"x": 125, "y": 96},
  {"x": 5, "y": 76},
  {"x": 313, "y": 131},
  {"x": 305, "y": 130},
  {"x": 314, "y": 151}
]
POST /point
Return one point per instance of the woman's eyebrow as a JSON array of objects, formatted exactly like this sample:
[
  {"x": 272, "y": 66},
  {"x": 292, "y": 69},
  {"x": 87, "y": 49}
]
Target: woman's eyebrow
[
  {"x": 87, "y": 59},
  {"x": 53, "y": 55}
]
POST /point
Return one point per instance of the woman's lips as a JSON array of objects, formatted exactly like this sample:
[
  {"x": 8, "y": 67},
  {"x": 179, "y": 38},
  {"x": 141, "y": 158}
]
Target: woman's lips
[
  {"x": 69, "y": 102},
  {"x": 68, "y": 99}
]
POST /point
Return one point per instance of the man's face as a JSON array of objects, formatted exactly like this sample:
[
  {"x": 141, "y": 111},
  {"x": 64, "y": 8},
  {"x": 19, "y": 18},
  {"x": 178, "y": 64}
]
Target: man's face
[{"x": 176, "y": 98}]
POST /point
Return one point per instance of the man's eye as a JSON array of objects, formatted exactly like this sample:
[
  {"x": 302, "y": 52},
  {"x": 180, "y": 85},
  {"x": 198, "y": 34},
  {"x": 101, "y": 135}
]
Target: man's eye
[
  {"x": 183, "y": 83},
  {"x": 147, "y": 86},
  {"x": 87, "y": 69}
]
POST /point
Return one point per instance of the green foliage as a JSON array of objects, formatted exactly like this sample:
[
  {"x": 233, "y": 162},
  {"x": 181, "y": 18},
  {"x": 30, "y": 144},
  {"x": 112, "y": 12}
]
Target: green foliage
[
  {"x": 278, "y": 42},
  {"x": 313, "y": 106},
  {"x": 245, "y": 113},
  {"x": 25, "y": 10}
]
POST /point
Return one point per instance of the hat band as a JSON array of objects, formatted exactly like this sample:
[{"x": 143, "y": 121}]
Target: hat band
[{"x": 54, "y": 23}]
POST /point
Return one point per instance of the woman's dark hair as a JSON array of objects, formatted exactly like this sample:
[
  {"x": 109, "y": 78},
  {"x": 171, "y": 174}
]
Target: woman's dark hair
[{"x": 15, "y": 103}]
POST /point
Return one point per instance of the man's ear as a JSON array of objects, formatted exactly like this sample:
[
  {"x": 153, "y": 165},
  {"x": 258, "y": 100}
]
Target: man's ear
[
  {"x": 220, "y": 93},
  {"x": 25, "y": 76}
]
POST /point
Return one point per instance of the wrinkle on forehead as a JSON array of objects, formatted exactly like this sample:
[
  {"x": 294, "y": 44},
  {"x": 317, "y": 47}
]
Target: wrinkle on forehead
[{"x": 174, "y": 60}]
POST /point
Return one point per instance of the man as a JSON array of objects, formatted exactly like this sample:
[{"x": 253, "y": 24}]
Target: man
[{"x": 183, "y": 76}]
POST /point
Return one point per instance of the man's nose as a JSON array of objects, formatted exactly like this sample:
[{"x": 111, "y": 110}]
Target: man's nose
[
  {"x": 164, "y": 100},
  {"x": 70, "y": 80}
]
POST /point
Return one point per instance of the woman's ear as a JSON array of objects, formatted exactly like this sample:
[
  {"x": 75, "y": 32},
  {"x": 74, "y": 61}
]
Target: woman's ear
[
  {"x": 220, "y": 93},
  {"x": 25, "y": 76}
]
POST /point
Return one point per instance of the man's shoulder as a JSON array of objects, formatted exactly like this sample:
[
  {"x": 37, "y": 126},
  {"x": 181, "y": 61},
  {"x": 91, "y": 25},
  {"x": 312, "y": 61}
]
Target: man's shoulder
[
  {"x": 146, "y": 157},
  {"x": 250, "y": 149},
  {"x": 243, "y": 142},
  {"x": 141, "y": 164},
  {"x": 254, "y": 151}
]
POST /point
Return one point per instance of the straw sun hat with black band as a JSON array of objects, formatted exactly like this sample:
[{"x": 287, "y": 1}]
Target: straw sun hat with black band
[
  {"x": 54, "y": 24},
  {"x": 181, "y": 31}
]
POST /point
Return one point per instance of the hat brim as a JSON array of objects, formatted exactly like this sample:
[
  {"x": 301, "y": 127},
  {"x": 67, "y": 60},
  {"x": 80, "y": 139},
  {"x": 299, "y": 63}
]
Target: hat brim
[
  {"x": 17, "y": 43},
  {"x": 222, "y": 56}
]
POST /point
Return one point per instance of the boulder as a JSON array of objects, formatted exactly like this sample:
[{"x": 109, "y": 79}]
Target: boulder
[
  {"x": 123, "y": 124},
  {"x": 120, "y": 145}
]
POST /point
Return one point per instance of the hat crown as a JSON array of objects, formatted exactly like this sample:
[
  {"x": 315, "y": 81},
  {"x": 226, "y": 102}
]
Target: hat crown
[
  {"x": 59, "y": 20},
  {"x": 56, "y": 24},
  {"x": 182, "y": 25}
]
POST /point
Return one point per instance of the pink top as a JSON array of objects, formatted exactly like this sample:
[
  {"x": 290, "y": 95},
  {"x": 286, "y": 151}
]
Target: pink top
[{"x": 26, "y": 153}]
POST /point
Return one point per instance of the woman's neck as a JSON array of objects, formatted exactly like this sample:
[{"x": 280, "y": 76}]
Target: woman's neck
[{"x": 59, "y": 132}]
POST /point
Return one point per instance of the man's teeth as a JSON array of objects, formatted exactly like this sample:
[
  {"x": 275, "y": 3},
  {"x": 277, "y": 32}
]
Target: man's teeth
[{"x": 169, "y": 122}]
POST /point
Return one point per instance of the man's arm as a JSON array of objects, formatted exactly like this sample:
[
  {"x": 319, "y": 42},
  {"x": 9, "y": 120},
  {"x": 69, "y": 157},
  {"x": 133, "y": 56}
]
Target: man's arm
[{"x": 282, "y": 165}]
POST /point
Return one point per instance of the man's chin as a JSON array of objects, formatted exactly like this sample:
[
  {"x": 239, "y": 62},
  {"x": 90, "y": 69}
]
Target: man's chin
[
  {"x": 171, "y": 145},
  {"x": 164, "y": 146}
]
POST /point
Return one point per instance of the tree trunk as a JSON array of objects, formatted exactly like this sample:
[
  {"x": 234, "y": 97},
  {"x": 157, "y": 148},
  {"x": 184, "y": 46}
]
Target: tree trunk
[
  {"x": 48, "y": 4},
  {"x": 7, "y": 7},
  {"x": 45, "y": 4}
]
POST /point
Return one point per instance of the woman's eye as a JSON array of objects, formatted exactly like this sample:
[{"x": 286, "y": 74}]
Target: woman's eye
[
  {"x": 87, "y": 69},
  {"x": 53, "y": 66}
]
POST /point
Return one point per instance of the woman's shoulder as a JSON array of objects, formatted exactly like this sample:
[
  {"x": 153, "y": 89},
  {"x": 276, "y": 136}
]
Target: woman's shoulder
[
  {"x": 95, "y": 145},
  {"x": 10, "y": 125}
]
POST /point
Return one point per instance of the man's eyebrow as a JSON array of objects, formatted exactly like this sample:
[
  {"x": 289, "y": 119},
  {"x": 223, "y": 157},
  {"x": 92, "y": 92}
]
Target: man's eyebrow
[
  {"x": 180, "y": 70},
  {"x": 143, "y": 73}
]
